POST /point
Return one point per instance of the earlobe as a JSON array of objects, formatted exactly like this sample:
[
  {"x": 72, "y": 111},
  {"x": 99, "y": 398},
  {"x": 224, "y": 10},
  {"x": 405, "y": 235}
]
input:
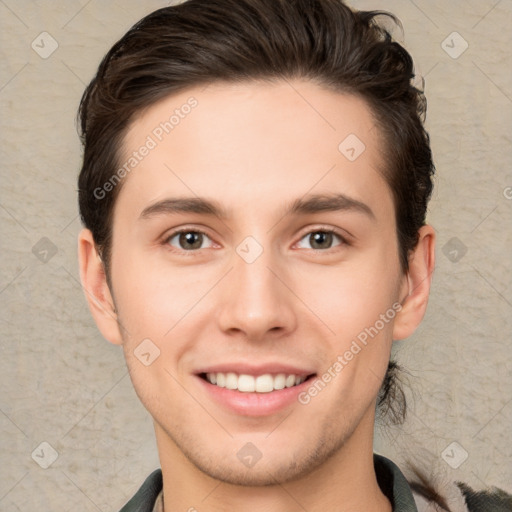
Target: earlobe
[
  {"x": 417, "y": 285},
  {"x": 96, "y": 289}
]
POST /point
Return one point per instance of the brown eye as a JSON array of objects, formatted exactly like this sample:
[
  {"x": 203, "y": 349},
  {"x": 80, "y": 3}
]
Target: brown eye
[
  {"x": 319, "y": 240},
  {"x": 188, "y": 240}
]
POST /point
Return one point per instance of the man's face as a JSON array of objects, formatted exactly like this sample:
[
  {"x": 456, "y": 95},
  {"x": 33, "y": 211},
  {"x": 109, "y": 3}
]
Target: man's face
[{"x": 263, "y": 290}]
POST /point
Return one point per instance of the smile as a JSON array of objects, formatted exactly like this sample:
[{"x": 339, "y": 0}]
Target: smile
[{"x": 265, "y": 383}]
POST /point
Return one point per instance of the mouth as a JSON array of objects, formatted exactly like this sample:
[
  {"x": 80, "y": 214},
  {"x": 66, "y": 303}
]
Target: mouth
[
  {"x": 254, "y": 390},
  {"x": 263, "y": 383}
]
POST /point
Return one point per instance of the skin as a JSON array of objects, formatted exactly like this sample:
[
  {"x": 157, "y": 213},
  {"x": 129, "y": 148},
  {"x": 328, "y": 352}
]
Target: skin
[{"x": 254, "y": 148}]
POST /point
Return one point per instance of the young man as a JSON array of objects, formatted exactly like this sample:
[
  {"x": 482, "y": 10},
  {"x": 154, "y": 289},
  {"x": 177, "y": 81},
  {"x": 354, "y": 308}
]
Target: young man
[{"x": 254, "y": 190}]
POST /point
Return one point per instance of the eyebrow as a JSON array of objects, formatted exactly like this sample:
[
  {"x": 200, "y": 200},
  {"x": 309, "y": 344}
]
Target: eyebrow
[{"x": 306, "y": 205}]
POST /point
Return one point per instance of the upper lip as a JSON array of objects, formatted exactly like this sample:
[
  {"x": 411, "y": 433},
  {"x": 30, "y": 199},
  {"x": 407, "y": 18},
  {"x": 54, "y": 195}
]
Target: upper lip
[{"x": 244, "y": 368}]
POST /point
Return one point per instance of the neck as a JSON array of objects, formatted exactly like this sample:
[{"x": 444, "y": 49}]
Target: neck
[{"x": 345, "y": 482}]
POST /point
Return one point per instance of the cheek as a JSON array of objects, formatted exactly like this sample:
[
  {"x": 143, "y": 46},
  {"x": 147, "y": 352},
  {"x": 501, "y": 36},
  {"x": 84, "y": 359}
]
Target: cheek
[
  {"x": 356, "y": 302},
  {"x": 358, "y": 307},
  {"x": 352, "y": 295},
  {"x": 154, "y": 297}
]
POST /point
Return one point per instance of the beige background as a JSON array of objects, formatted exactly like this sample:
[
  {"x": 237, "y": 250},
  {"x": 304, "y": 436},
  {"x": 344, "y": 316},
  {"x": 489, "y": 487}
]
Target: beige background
[{"x": 62, "y": 384}]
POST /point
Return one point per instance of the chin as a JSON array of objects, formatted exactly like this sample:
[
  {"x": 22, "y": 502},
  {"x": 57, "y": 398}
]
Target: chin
[{"x": 264, "y": 462}]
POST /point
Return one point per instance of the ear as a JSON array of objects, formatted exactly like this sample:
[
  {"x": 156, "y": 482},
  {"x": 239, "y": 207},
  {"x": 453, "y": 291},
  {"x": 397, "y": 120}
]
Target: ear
[
  {"x": 416, "y": 287},
  {"x": 97, "y": 292}
]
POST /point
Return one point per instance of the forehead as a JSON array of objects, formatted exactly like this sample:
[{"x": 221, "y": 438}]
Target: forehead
[{"x": 253, "y": 140}]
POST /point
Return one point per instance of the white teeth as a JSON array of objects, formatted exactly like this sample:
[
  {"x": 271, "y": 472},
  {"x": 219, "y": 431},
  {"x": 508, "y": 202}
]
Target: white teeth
[
  {"x": 264, "y": 383},
  {"x": 221, "y": 380},
  {"x": 231, "y": 381},
  {"x": 246, "y": 384},
  {"x": 290, "y": 381},
  {"x": 279, "y": 381},
  {"x": 249, "y": 384}
]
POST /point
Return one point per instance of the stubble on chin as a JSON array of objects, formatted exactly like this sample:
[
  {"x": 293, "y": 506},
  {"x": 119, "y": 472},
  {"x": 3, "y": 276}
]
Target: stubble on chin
[{"x": 291, "y": 464}]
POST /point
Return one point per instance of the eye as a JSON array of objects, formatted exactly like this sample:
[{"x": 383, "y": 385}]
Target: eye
[
  {"x": 321, "y": 239},
  {"x": 188, "y": 240}
]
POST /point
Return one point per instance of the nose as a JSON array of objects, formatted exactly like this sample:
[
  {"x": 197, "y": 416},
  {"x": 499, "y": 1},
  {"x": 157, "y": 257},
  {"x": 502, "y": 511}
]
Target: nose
[{"x": 256, "y": 301}]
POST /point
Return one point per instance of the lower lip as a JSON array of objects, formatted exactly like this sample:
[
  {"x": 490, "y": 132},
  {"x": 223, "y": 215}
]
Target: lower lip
[{"x": 254, "y": 404}]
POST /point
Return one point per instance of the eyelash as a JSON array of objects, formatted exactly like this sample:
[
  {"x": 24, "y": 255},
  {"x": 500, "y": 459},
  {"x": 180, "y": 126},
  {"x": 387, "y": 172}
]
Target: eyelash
[{"x": 342, "y": 239}]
